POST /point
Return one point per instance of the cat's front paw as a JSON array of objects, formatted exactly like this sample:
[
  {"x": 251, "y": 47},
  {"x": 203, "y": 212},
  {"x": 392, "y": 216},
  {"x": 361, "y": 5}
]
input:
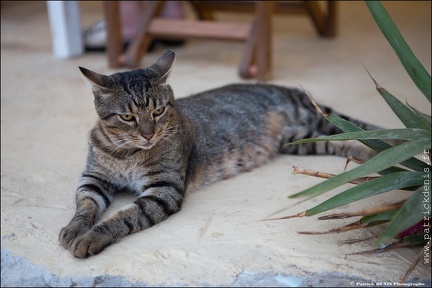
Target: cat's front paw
[
  {"x": 73, "y": 230},
  {"x": 91, "y": 243}
]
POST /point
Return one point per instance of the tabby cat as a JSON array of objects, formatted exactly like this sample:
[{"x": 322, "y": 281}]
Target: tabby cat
[{"x": 146, "y": 142}]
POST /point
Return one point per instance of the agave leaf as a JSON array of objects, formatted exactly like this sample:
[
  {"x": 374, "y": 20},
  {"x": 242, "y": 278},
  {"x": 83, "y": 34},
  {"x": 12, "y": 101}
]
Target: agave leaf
[
  {"x": 347, "y": 126},
  {"x": 390, "y": 182},
  {"x": 407, "y": 216},
  {"x": 426, "y": 118},
  {"x": 415, "y": 239},
  {"x": 408, "y": 134},
  {"x": 404, "y": 113},
  {"x": 379, "y": 162},
  {"x": 412, "y": 65},
  {"x": 416, "y": 229},
  {"x": 387, "y": 216},
  {"x": 376, "y": 145}
]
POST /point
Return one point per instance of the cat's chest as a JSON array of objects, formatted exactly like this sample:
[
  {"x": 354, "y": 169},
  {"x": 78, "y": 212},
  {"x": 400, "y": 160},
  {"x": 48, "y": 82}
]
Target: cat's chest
[
  {"x": 130, "y": 174},
  {"x": 134, "y": 177}
]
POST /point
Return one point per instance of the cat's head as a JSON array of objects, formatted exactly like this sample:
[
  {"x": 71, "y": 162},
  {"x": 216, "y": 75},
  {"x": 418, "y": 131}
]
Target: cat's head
[{"x": 136, "y": 107}]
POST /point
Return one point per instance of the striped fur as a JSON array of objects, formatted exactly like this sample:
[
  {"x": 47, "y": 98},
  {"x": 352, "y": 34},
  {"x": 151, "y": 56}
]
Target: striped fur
[{"x": 163, "y": 147}]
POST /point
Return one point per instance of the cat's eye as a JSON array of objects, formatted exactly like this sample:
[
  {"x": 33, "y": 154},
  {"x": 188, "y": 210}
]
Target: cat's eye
[
  {"x": 127, "y": 117},
  {"x": 158, "y": 111}
]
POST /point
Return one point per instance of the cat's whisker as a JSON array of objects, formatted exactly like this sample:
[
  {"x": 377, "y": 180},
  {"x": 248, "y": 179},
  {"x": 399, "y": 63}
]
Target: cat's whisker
[{"x": 123, "y": 143}]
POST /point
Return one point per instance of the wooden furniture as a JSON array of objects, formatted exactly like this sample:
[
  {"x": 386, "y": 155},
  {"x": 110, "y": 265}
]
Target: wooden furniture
[{"x": 257, "y": 55}]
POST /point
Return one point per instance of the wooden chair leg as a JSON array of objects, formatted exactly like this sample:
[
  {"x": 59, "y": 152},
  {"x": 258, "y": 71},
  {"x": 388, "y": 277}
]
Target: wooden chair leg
[
  {"x": 331, "y": 19},
  {"x": 257, "y": 55},
  {"x": 263, "y": 51},
  {"x": 202, "y": 13},
  {"x": 114, "y": 44},
  {"x": 141, "y": 42},
  {"x": 247, "y": 67},
  {"x": 325, "y": 23}
]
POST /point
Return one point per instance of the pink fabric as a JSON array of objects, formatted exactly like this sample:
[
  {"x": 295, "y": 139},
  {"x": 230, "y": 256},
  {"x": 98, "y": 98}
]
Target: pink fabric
[{"x": 132, "y": 11}]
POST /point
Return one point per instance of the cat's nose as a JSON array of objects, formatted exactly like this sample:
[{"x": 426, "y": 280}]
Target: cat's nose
[
  {"x": 147, "y": 131},
  {"x": 148, "y": 136}
]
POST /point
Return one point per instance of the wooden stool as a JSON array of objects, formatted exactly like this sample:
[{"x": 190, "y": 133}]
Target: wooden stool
[{"x": 257, "y": 55}]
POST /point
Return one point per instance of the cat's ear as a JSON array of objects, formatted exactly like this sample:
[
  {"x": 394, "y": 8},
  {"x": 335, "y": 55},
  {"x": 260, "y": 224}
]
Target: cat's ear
[
  {"x": 160, "y": 70},
  {"x": 95, "y": 78}
]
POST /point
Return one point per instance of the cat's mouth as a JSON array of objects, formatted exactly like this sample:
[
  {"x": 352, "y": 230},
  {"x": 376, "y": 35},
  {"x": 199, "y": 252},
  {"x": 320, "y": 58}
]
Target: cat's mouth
[{"x": 146, "y": 144}]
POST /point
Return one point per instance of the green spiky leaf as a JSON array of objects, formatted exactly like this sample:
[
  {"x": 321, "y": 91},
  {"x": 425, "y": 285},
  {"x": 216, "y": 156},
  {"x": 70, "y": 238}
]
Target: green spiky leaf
[
  {"x": 412, "y": 65},
  {"x": 404, "y": 113},
  {"x": 373, "y": 187},
  {"x": 383, "y": 216},
  {"x": 379, "y": 162},
  {"x": 374, "y": 144},
  {"x": 407, "y": 216},
  {"x": 401, "y": 134},
  {"x": 426, "y": 118}
]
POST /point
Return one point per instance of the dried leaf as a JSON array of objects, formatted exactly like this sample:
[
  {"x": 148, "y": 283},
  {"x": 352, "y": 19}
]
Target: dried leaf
[
  {"x": 314, "y": 103},
  {"x": 353, "y": 159},
  {"x": 414, "y": 263},
  {"x": 313, "y": 173},
  {"x": 400, "y": 243},
  {"x": 353, "y": 226},
  {"x": 325, "y": 175},
  {"x": 393, "y": 245},
  {"x": 365, "y": 212},
  {"x": 301, "y": 214},
  {"x": 353, "y": 241}
]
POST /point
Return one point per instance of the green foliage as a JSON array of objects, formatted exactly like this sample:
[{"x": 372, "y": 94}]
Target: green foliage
[
  {"x": 386, "y": 183},
  {"x": 406, "y": 217},
  {"x": 411, "y": 172},
  {"x": 412, "y": 65}
]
